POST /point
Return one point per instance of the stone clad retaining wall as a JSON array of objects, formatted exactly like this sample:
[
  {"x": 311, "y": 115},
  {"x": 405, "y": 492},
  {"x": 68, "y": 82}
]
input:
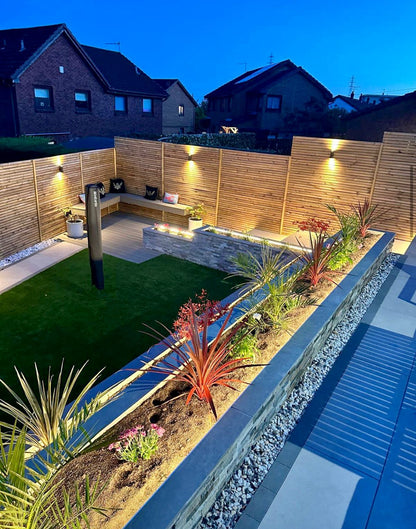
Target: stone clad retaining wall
[
  {"x": 190, "y": 490},
  {"x": 205, "y": 248}
]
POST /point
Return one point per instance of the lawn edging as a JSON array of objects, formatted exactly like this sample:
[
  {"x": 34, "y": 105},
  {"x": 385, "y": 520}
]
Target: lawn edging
[{"x": 183, "y": 499}]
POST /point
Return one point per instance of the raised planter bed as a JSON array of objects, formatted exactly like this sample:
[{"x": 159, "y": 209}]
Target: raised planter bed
[
  {"x": 182, "y": 500},
  {"x": 207, "y": 247}
]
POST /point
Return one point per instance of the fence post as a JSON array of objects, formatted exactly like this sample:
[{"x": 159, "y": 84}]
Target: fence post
[
  {"x": 35, "y": 184},
  {"x": 163, "y": 174},
  {"x": 82, "y": 172},
  {"x": 285, "y": 195},
  {"x": 217, "y": 200},
  {"x": 373, "y": 184}
]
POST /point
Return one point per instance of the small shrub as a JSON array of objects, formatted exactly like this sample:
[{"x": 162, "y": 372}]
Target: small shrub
[
  {"x": 137, "y": 443},
  {"x": 201, "y": 306},
  {"x": 348, "y": 241},
  {"x": 313, "y": 225},
  {"x": 245, "y": 345}
]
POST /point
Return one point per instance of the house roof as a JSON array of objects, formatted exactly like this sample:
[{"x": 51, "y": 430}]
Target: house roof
[
  {"x": 259, "y": 77},
  {"x": 167, "y": 83},
  {"x": 356, "y": 104},
  {"x": 122, "y": 75},
  {"x": 19, "y": 46},
  {"x": 376, "y": 108}
]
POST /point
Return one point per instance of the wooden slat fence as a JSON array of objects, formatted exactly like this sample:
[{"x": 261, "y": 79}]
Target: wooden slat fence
[
  {"x": 241, "y": 190},
  {"x": 33, "y": 192}
]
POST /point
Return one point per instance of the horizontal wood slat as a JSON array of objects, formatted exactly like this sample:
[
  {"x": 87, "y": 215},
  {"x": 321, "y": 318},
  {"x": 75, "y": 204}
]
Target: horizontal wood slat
[{"x": 250, "y": 186}]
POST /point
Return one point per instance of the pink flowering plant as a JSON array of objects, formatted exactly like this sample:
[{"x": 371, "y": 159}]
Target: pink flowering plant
[{"x": 137, "y": 443}]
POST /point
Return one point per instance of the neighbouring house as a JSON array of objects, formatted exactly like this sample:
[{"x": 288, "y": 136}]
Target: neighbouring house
[
  {"x": 51, "y": 85},
  {"x": 178, "y": 110},
  {"x": 375, "y": 99},
  {"x": 395, "y": 115},
  {"x": 347, "y": 104},
  {"x": 271, "y": 100}
]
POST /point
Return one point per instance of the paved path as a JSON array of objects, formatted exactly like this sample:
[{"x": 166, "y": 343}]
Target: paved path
[
  {"x": 122, "y": 237},
  {"x": 350, "y": 463}
]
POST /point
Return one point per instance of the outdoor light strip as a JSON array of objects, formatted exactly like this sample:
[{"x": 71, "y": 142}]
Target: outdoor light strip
[{"x": 256, "y": 239}]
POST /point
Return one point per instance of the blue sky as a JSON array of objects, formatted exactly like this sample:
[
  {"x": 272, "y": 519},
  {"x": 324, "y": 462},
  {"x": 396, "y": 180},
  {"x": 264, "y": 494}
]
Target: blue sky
[{"x": 206, "y": 43}]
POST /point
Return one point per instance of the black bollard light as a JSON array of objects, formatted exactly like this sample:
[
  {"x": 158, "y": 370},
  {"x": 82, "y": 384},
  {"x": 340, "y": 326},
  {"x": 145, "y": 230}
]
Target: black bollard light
[{"x": 95, "y": 245}]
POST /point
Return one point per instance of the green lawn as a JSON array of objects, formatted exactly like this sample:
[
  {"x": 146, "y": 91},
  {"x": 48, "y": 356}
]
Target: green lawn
[{"x": 58, "y": 314}]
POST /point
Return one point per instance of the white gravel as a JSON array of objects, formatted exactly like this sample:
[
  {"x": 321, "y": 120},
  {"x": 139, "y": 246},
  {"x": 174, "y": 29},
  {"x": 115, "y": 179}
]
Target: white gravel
[
  {"x": 241, "y": 487},
  {"x": 25, "y": 253}
]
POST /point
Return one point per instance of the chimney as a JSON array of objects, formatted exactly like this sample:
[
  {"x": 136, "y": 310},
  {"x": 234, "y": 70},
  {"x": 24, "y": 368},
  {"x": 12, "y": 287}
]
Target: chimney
[
  {"x": 352, "y": 94},
  {"x": 22, "y": 45}
]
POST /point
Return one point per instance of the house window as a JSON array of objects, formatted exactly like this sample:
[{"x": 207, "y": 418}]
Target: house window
[
  {"x": 181, "y": 110},
  {"x": 147, "y": 106},
  {"x": 82, "y": 101},
  {"x": 274, "y": 103},
  {"x": 43, "y": 99},
  {"x": 120, "y": 104}
]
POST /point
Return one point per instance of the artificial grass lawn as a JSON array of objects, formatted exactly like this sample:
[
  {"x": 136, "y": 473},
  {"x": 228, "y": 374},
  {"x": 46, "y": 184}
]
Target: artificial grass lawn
[
  {"x": 59, "y": 314},
  {"x": 27, "y": 148}
]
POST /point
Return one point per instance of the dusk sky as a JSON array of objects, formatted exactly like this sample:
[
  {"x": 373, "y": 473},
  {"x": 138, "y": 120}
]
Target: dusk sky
[{"x": 206, "y": 44}]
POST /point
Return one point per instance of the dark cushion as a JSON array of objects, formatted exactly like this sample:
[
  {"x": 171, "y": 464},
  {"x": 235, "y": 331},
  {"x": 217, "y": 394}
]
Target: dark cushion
[
  {"x": 117, "y": 185},
  {"x": 151, "y": 193},
  {"x": 101, "y": 189}
]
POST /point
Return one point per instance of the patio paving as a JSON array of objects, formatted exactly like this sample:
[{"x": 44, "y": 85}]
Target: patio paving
[
  {"x": 350, "y": 462},
  {"x": 122, "y": 237}
]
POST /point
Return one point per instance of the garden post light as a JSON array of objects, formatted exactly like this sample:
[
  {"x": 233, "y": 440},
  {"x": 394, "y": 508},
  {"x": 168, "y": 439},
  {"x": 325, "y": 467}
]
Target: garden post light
[{"x": 95, "y": 246}]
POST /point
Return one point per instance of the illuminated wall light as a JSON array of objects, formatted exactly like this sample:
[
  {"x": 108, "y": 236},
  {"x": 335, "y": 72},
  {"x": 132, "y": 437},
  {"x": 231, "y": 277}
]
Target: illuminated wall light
[
  {"x": 190, "y": 156},
  {"x": 60, "y": 169},
  {"x": 332, "y": 154}
]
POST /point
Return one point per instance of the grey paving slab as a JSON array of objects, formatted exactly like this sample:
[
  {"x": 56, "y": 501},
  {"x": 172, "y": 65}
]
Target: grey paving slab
[
  {"x": 395, "y": 503},
  {"x": 30, "y": 266},
  {"x": 317, "y": 494}
]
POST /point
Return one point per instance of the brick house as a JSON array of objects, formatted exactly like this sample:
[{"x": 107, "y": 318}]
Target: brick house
[
  {"x": 178, "y": 109},
  {"x": 265, "y": 98},
  {"x": 394, "y": 115},
  {"x": 51, "y": 85}
]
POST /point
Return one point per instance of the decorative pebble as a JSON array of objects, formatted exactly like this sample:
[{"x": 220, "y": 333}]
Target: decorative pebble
[
  {"x": 237, "y": 492},
  {"x": 25, "y": 253}
]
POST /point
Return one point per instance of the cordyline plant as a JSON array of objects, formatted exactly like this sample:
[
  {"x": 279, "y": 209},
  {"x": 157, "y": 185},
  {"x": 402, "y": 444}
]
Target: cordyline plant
[
  {"x": 203, "y": 365},
  {"x": 317, "y": 258},
  {"x": 366, "y": 215}
]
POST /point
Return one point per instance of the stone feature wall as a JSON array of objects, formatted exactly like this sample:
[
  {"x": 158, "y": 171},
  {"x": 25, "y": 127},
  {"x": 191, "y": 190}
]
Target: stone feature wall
[{"x": 206, "y": 248}]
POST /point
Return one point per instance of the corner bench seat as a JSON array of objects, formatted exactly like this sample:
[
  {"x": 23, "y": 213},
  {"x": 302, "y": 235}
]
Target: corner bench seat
[{"x": 112, "y": 199}]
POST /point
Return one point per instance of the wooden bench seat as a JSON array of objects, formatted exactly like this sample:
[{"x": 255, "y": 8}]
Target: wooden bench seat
[{"x": 112, "y": 199}]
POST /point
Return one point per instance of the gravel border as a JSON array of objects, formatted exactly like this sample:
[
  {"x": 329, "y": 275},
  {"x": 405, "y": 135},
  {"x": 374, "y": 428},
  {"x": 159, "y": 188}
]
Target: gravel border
[
  {"x": 12, "y": 259},
  {"x": 237, "y": 493}
]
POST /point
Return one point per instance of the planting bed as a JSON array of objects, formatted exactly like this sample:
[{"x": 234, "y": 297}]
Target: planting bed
[{"x": 185, "y": 496}]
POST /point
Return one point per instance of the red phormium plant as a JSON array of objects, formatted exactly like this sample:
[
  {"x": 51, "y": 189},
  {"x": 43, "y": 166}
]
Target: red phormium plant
[
  {"x": 366, "y": 214},
  {"x": 313, "y": 225},
  {"x": 203, "y": 364},
  {"x": 318, "y": 257},
  {"x": 213, "y": 309}
]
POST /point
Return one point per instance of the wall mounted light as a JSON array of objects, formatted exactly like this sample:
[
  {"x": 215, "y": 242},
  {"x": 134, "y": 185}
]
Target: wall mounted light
[
  {"x": 190, "y": 157},
  {"x": 61, "y": 169},
  {"x": 332, "y": 154}
]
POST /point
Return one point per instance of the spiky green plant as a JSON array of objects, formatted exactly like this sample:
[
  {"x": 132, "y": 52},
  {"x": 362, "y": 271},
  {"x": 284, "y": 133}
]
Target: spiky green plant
[
  {"x": 261, "y": 271},
  {"x": 46, "y": 415},
  {"x": 28, "y": 496}
]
